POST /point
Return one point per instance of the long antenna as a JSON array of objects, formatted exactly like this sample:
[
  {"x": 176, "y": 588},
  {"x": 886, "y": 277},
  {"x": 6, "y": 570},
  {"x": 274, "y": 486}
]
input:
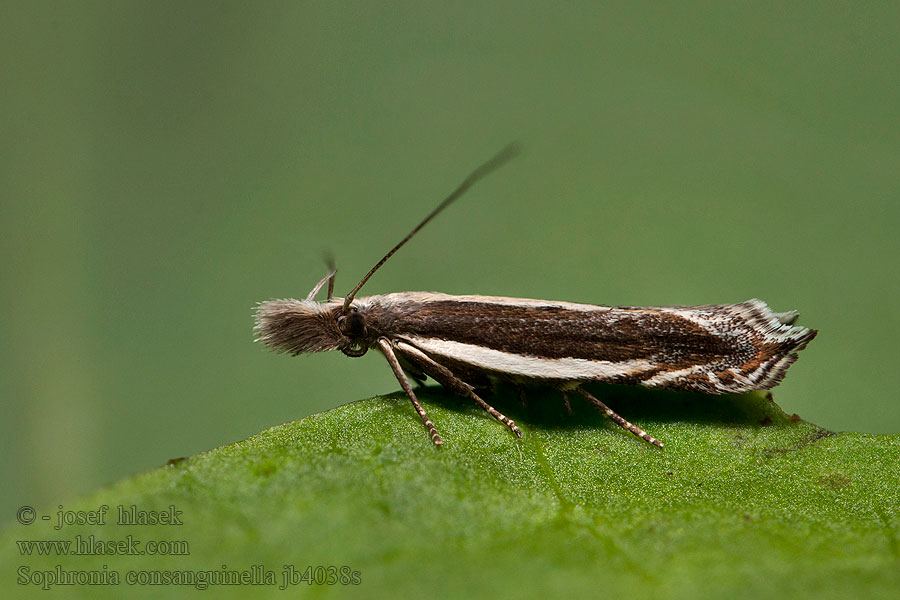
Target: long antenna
[{"x": 499, "y": 160}]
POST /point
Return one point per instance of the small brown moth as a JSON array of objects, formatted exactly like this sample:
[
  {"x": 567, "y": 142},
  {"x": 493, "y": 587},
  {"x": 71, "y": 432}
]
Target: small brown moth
[{"x": 467, "y": 342}]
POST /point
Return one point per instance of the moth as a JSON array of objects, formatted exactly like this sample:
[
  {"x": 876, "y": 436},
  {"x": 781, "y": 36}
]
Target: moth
[{"x": 466, "y": 343}]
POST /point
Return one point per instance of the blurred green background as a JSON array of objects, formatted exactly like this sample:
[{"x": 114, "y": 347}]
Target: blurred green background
[{"x": 166, "y": 165}]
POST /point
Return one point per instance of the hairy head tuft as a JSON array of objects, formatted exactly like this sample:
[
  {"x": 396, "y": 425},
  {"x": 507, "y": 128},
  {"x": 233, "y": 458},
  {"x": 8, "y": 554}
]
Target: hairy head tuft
[{"x": 297, "y": 326}]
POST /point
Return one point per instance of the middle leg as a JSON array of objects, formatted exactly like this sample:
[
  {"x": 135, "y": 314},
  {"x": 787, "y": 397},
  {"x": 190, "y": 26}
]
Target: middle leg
[{"x": 446, "y": 378}]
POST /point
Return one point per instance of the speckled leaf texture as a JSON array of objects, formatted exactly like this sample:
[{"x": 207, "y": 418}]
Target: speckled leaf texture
[{"x": 743, "y": 502}]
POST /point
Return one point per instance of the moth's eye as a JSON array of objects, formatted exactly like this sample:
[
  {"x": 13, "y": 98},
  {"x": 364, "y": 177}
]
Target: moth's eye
[{"x": 352, "y": 324}]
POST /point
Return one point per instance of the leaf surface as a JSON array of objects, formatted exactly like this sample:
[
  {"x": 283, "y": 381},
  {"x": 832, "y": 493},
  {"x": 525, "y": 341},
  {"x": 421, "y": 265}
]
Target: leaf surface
[{"x": 743, "y": 502}]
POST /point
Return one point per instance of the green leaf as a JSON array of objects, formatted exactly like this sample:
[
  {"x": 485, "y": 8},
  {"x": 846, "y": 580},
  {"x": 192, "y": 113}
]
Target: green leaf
[{"x": 743, "y": 502}]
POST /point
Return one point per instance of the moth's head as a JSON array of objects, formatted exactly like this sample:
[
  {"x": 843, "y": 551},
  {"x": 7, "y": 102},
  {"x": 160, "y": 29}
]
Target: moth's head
[{"x": 298, "y": 326}]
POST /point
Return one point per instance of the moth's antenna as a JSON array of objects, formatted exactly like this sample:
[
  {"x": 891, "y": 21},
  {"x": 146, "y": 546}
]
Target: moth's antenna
[{"x": 504, "y": 155}]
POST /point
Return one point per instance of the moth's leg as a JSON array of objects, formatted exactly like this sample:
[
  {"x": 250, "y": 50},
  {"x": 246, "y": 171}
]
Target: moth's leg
[
  {"x": 446, "y": 378},
  {"x": 566, "y": 400},
  {"x": 619, "y": 420},
  {"x": 404, "y": 383}
]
